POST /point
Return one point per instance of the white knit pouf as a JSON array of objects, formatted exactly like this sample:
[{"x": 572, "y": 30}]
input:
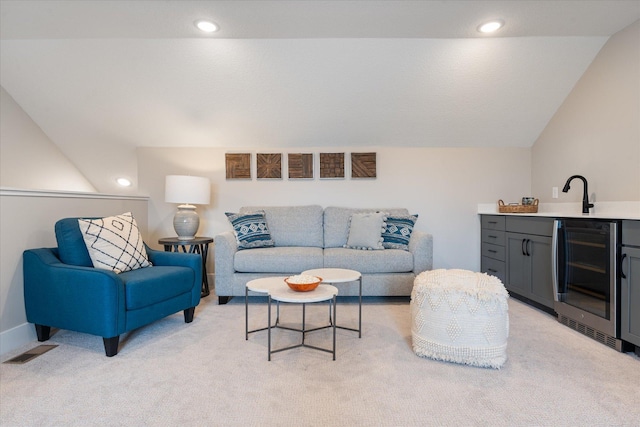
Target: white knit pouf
[{"x": 460, "y": 316}]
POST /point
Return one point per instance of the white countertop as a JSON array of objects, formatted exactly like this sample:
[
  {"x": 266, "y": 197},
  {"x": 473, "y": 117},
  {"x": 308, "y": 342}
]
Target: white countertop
[{"x": 603, "y": 210}]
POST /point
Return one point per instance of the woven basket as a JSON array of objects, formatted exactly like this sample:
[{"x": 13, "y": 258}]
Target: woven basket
[{"x": 502, "y": 208}]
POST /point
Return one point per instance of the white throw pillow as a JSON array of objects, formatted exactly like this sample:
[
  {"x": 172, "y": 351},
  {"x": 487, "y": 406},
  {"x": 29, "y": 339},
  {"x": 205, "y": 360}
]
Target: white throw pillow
[
  {"x": 114, "y": 243},
  {"x": 365, "y": 231}
]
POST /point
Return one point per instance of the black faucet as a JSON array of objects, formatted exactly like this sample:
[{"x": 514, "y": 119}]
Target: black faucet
[{"x": 585, "y": 196}]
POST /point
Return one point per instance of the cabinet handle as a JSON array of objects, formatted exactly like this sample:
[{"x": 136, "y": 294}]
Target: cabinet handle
[
  {"x": 527, "y": 246},
  {"x": 624, "y": 276},
  {"x": 491, "y": 270},
  {"x": 522, "y": 247},
  {"x": 492, "y": 251},
  {"x": 492, "y": 237},
  {"x": 493, "y": 222}
]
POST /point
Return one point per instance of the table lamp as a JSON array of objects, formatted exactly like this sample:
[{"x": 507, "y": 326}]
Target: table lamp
[{"x": 187, "y": 191}]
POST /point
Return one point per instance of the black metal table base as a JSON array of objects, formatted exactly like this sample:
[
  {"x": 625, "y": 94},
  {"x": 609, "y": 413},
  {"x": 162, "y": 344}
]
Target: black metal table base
[
  {"x": 359, "y": 330},
  {"x": 303, "y": 331},
  {"x": 246, "y": 316}
]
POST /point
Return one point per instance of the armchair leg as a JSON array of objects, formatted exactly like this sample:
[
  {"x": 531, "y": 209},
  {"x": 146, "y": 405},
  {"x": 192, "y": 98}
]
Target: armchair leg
[
  {"x": 188, "y": 314},
  {"x": 43, "y": 332},
  {"x": 223, "y": 300},
  {"x": 111, "y": 345}
]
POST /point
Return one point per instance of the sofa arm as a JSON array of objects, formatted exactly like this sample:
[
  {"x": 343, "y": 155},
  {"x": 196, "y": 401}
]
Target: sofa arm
[
  {"x": 421, "y": 246},
  {"x": 181, "y": 259},
  {"x": 226, "y": 247},
  {"x": 176, "y": 259},
  {"x": 82, "y": 299}
]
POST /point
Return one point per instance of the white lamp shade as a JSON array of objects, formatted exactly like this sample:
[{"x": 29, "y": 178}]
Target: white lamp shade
[{"x": 183, "y": 189}]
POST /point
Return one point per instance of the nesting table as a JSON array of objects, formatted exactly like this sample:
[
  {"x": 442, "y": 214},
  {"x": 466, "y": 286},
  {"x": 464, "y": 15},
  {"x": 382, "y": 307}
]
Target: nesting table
[
  {"x": 341, "y": 275},
  {"x": 262, "y": 286},
  {"x": 277, "y": 290}
]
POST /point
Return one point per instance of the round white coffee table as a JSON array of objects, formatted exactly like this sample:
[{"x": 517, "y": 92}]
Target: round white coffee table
[
  {"x": 282, "y": 293},
  {"x": 341, "y": 275},
  {"x": 263, "y": 286}
]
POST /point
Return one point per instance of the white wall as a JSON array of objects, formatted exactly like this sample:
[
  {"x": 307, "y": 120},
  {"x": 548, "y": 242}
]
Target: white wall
[
  {"x": 38, "y": 186},
  {"x": 27, "y": 220},
  {"x": 596, "y": 131},
  {"x": 28, "y": 158},
  {"x": 442, "y": 185}
]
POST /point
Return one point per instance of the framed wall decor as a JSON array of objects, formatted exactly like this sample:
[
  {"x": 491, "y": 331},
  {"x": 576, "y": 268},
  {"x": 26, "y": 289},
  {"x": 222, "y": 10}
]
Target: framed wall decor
[
  {"x": 331, "y": 165},
  {"x": 269, "y": 166},
  {"x": 238, "y": 165},
  {"x": 300, "y": 165},
  {"x": 363, "y": 165}
]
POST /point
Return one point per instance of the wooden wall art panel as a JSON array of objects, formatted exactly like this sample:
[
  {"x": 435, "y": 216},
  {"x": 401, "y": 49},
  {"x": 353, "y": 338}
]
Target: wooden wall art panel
[
  {"x": 238, "y": 165},
  {"x": 363, "y": 165},
  {"x": 331, "y": 165},
  {"x": 269, "y": 166},
  {"x": 300, "y": 165}
]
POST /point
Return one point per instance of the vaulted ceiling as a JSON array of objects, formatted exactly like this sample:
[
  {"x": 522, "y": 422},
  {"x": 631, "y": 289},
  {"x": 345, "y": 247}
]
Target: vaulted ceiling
[{"x": 110, "y": 76}]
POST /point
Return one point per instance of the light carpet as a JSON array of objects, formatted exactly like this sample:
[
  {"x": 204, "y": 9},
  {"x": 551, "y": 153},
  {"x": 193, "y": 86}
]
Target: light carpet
[{"x": 206, "y": 374}]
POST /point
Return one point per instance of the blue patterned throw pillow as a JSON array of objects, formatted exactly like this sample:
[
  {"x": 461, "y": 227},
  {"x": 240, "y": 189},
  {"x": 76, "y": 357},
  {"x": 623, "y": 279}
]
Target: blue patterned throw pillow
[
  {"x": 398, "y": 231},
  {"x": 251, "y": 230}
]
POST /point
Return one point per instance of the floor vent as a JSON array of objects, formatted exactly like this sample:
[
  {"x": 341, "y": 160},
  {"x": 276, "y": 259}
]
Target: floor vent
[
  {"x": 31, "y": 354},
  {"x": 601, "y": 337}
]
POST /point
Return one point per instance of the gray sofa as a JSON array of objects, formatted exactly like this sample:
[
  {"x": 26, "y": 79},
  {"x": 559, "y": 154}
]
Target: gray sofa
[{"x": 309, "y": 237}]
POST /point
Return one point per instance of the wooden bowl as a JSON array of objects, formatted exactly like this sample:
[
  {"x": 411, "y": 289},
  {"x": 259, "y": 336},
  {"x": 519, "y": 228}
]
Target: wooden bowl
[{"x": 303, "y": 287}]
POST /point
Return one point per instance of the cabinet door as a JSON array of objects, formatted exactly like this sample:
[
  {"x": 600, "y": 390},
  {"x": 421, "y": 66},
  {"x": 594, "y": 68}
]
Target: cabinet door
[
  {"x": 538, "y": 249},
  {"x": 631, "y": 233},
  {"x": 518, "y": 278},
  {"x": 630, "y": 296}
]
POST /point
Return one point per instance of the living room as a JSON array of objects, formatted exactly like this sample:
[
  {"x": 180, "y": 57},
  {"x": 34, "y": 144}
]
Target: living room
[{"x": 455, "y": 120}]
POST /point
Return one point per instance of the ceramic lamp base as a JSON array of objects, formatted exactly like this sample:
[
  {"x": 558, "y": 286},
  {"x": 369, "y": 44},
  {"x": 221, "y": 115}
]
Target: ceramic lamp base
[{"x": 186, "y": 222}]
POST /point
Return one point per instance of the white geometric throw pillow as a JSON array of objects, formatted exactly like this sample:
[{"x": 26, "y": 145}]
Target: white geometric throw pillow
[{"x": 114, "y": 243}]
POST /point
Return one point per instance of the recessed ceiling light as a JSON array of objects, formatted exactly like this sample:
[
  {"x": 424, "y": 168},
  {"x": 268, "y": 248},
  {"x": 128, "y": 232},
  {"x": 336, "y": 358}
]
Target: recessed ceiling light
[
  {"x": 207, "y": 26},
  {"x": 124, "y": 182},
  {"x": 491, "y": 26}
]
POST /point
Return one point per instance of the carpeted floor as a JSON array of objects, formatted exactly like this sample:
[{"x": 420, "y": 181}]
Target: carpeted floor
[{"x": 205, "y": 373}]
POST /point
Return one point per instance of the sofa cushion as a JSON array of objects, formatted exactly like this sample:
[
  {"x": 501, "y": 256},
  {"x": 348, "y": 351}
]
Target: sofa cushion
[
  {"x": 278, "y": 260},
  {"x": 366, "y": 262},
  {"x": 365, "y": 231},
  {"x": 148, "y": 286},
  {"x": 114, "y": 243},
  {"x": 336, "y": 223},
  {"x": 397, "y": 232},
  {"x": 293, "y": 225},
  {"x": 251, "y": 229}
]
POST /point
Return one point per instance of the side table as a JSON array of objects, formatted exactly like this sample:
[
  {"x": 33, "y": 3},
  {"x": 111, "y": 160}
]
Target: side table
[{"x": 197, "y": 245}]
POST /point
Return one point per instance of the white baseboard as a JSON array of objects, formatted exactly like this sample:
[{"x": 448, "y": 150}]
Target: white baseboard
[{"x": 16, "y": 337}]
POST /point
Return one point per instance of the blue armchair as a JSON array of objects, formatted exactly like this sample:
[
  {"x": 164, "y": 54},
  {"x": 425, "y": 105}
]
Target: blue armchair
[{"x": 62, "y": 289}]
